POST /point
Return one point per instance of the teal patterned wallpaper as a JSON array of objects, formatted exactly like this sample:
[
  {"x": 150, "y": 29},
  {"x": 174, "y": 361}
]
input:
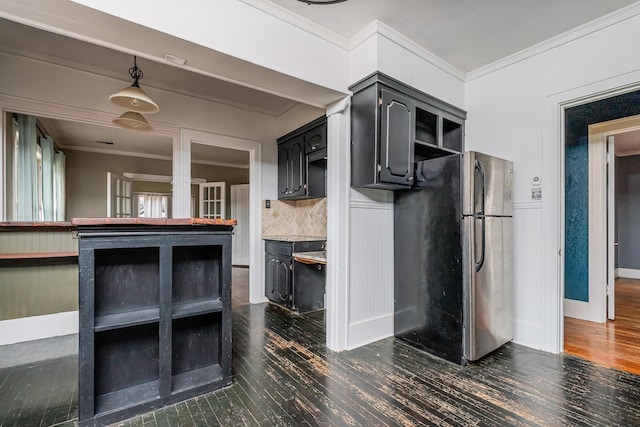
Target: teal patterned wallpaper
[{"x": 576, "y": 267}]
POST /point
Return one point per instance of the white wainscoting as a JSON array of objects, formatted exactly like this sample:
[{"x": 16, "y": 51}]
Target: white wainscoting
[
  {"x": 528, "y": 292},
  {"x": 371, "y": 270},
  {"x": 38, "y": 327}
]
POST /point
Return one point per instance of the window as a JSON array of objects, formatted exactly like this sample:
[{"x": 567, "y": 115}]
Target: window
[{"x": 212, "y": 200}]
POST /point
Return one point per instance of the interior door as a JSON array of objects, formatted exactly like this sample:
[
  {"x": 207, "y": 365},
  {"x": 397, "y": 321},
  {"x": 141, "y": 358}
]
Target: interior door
[
  {"x": 240, "y": 212},
  {"x": 611, "y": 221},
  {"x": 119, "y": 196}
]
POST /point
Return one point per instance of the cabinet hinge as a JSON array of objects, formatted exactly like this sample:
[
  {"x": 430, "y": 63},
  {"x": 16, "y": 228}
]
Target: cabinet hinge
[
  {"x": 291, "y": 267},
  {"x": 379, "y": 168},
  {"x": 380, "y": 102}
]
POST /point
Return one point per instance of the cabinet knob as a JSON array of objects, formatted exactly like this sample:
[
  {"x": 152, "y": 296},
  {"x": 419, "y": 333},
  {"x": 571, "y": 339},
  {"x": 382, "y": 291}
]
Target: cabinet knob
[
  {"x": 410, "y": 178},
  {"x": 313, "y": 147}
]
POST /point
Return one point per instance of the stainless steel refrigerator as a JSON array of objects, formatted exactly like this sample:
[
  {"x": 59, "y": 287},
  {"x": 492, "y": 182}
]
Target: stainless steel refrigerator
[{"x": 453, "y": 257}]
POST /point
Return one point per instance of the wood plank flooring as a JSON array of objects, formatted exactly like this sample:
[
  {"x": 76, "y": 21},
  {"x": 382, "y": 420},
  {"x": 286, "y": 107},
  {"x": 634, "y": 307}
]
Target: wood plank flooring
[
  {"x": 285, "y": 376},
  {"x": 615, "y": 344}
]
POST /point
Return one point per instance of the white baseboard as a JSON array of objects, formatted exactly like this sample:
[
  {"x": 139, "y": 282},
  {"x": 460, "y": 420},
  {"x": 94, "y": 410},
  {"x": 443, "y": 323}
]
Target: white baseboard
[
  {"x": 369, "y": 330},
  {"x": 38, "y": 327},
  {"x": 576, "y": 309},
  {"x": 628, "y": 273}
]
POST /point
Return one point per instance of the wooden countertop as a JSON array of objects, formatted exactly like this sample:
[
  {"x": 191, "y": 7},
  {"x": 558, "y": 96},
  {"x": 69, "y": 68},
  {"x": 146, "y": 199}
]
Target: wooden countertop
[
  {"x": 42, "y": 225},
  {"x": 152, "y": 221}
]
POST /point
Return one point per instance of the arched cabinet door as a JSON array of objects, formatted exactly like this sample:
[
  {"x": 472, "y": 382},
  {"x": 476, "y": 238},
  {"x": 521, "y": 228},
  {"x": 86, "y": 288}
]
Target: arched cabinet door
[
  {"x": 283, "y": 170},
  {"x": 296, "y": 167},
  {"x": 396, "y": 138}
]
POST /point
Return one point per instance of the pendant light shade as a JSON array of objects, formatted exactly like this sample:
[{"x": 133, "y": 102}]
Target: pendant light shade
[
  {"x": 132, "y": 120},
  {"x": 132, "y": 98}
]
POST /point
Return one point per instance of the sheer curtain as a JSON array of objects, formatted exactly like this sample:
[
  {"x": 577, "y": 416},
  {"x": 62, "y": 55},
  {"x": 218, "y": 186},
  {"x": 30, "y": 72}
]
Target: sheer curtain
[
  {"x": 26, "y": 169},
  {"x": 59, "y": 197},
  {"x": 53, "y": 198},
  {"x": 152, "y": 205},
  {"x": 48, "y": 204}
]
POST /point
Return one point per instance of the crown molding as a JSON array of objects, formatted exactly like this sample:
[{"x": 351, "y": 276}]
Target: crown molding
[
  {"x": 376, "y": 27},
  {"x": 299, "y": 22},
  {"x": 393, "y": 35},
  {"x": 557, "y": 41}
]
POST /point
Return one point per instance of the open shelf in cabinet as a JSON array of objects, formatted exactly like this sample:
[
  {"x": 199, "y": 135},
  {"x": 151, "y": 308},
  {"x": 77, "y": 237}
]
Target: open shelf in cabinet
[
  {"x": 155, "y": 325},
  {"x": 192, "y": 308},
  {"x": 196, "y": 273},
  {"x": 128, "y": 397},
  {"x": 126, "y": 280},
  {"x": 126, "y": 366},
  {"x": 196, "y": 344},
  {"x": 126, "y": 319}
]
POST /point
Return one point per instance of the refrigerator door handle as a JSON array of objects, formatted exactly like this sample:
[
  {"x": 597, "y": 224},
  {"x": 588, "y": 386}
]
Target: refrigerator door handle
[
  {"x": 480, "y": 263},
  {"x": 478, "y": 166}
]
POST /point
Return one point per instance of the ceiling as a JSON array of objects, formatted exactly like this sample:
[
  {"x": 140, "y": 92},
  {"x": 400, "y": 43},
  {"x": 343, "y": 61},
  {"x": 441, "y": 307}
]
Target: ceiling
[
  {"x": 627, "y": 143},
  {"x": 468, "y": 34}
]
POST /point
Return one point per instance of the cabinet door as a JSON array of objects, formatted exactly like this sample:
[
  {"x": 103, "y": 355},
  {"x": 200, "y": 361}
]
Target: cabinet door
[
  {"x": 283, "y": 281},
  {"x": 270, "y": 275},
  {"x": 396, "y": 138},
  {"x": 296, "y": 167},
  {"x": 283, "y": 170},
  {"x": 316, "y": 139}
]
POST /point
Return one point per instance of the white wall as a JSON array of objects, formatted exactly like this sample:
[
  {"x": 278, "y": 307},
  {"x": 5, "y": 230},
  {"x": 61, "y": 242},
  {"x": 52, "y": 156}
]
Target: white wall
[
  {"x": 513, "y": 112},
  {"x": 242, "y": 31},
  {"x": 381, "y": 48}
]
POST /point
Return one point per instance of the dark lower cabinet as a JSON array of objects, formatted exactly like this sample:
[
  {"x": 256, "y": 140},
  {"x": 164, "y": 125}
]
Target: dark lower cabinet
[
  {"x": 309, "y": 286},
  {"x": 155, "y": 317},
  {"x": 283, "y": 284},
  {"x": 278, "y": 278}
]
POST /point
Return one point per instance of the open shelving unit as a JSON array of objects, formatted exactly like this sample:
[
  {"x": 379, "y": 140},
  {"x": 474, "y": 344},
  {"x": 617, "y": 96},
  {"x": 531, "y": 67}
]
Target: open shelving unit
[{"x": 155, "y": 317}]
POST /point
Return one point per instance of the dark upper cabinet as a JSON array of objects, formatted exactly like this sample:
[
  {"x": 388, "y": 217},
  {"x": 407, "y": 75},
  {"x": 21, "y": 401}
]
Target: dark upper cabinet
[
  {"x": 393, "y": 126},
  {"x": 396, "y": 138},
  {"x": 291, "y": 160},
  {"x": 302, "y": 162}
]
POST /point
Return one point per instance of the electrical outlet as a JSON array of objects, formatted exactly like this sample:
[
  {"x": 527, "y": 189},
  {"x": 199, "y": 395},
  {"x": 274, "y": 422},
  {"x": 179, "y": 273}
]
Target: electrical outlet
[{"x": 267, "y": 204}]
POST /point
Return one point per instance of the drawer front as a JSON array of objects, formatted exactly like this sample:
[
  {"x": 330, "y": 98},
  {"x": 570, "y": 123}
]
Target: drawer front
[
  {"x": 315, "y": 245},
  {"x": 315, "y": 139},
  {"x": 278, "y": 248}
]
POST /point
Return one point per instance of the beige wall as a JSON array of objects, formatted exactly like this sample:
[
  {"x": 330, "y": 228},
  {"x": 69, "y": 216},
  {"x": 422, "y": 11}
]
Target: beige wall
[
  {"x": 87, "y": 178},
  {"x": 32, "y": 288}
]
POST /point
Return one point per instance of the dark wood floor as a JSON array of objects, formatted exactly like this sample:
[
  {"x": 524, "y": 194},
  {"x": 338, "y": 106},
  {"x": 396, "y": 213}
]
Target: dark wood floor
[
  {"x": 616, "y": 343},
  {"x": 284, "y": 375}
]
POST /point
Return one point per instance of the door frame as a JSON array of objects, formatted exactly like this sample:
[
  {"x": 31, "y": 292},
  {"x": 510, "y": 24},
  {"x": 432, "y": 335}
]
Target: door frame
[
  {"x": 595, "y": 310},
  {"x": 182, "y": 179},
  {"x": 551, "y": 326}
]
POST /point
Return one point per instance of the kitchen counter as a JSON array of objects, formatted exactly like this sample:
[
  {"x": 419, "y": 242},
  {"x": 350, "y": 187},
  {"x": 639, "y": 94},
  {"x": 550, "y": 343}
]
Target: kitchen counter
[
  {"x": 314, "y": 257},
  {"x": 295, "y": 238}
]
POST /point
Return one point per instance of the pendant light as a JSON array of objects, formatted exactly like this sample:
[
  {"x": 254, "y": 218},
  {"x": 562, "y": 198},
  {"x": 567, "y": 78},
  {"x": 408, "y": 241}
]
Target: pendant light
[
  {"x": 132, "y": 120},
  {"x": 132, "y": 98}
]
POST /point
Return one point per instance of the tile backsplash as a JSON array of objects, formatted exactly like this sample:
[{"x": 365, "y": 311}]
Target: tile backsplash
[{"x": 295, "y": 218}]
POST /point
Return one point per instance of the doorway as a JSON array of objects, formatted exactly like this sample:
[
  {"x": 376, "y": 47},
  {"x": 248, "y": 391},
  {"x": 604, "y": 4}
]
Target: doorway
[{"x": 593, "y": 221}]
